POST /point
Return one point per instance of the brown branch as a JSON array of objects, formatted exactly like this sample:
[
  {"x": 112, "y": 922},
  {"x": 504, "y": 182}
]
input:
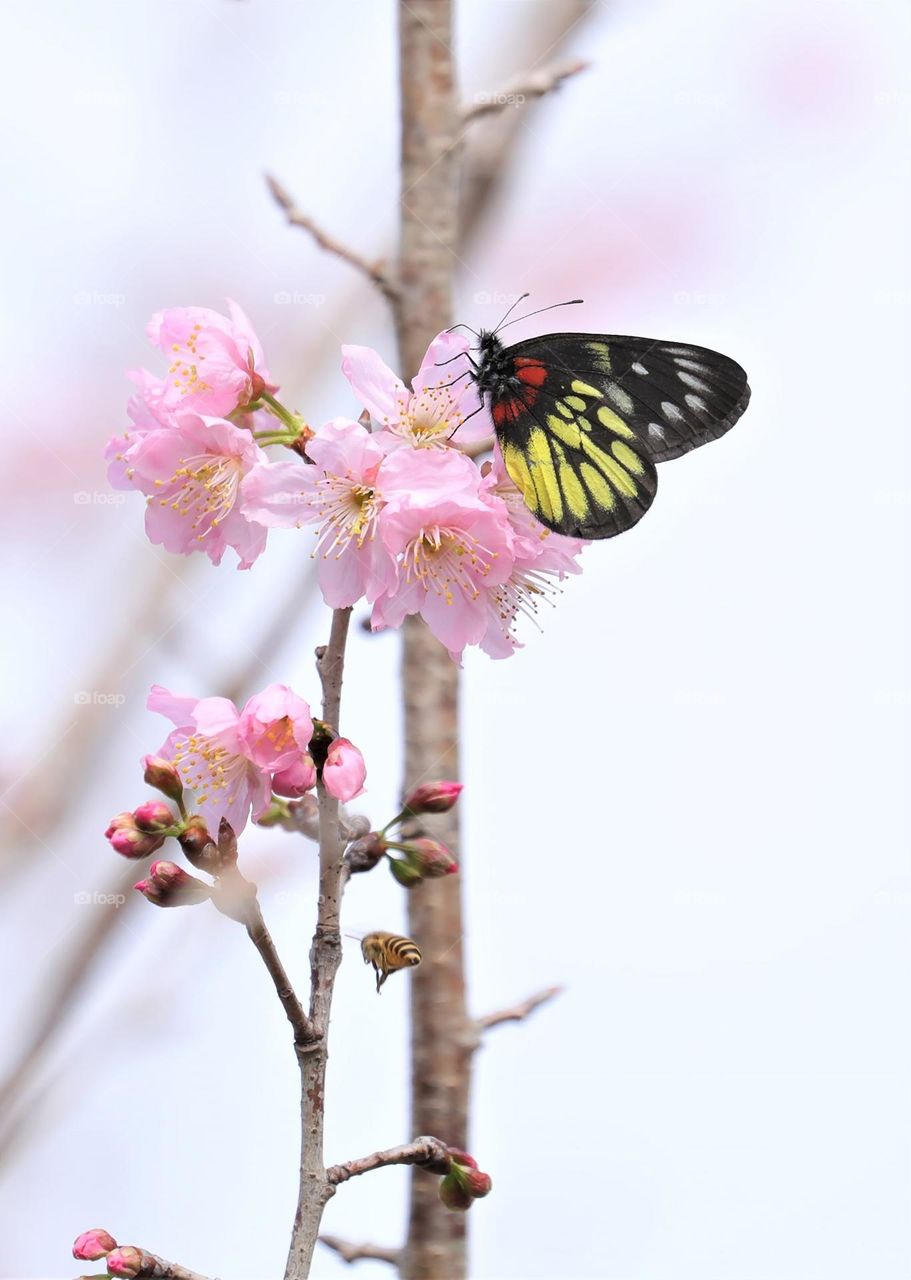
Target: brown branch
[
  {"x": 530, "y": 85},
  {"x": 315, "y": 1188},
  {"x": 517, "y": 1012},
  {"x": 349, "y": 1252},
  {"x": 426, "y": 1153},
  {"x": 262, "y": 939},
  {"x": 297, "y": 218}
]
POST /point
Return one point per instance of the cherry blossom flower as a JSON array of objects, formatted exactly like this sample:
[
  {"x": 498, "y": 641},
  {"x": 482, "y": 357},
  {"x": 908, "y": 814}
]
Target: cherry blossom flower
[
  {"x": 441, "y": 400},
  {"x": 453, "y": 544},
  {"x": 340, "y": 494},
  {"x": 208, "y": 749},
  {"x": 191, "y": 474},
  {"x": 217, "y": 363},
  {"x": 344, "y": 771},
  {"x": 275, "y": 728}
]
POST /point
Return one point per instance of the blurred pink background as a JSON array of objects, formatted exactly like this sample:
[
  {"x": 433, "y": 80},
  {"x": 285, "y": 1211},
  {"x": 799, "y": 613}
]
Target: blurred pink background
[{"x": 687, "y": 797}]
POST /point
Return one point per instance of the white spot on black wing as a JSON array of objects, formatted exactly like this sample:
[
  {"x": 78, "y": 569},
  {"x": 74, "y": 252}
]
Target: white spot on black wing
[
  {"x": 656, "y": 430},
  {"x": 640, "y": 369},
  {"x": 696, "y": 403},
  {"x": 621, "y": 399},
  {"x": 670, "y": 411},
  {"x": 696, "y": 383}
]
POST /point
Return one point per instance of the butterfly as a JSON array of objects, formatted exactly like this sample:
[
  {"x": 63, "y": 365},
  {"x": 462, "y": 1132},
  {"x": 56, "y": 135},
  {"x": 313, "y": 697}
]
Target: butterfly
[{"x": 582, "y": 419}]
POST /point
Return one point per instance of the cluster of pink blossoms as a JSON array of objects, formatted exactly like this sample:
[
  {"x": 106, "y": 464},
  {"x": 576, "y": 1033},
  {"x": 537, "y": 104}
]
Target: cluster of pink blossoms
[
  {"x": 233, "y": 761},
  {"x": 403, "y": 518}
]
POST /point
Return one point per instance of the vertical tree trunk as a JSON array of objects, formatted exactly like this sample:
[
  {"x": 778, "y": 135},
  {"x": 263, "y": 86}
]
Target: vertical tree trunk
[{"x": 435, "y": 1248}]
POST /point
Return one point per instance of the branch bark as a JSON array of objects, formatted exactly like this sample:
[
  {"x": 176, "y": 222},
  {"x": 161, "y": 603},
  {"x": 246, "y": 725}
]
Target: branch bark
[
  {"x": 262, "y": 939},
  {"x": 440, "y": 1033},
  {"x": 315, "y": 1189},
  {"x": 426, "y": 1153}
]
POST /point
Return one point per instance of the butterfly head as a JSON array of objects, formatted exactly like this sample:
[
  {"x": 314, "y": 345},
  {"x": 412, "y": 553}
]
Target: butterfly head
[{"x": 494, "y": 369}]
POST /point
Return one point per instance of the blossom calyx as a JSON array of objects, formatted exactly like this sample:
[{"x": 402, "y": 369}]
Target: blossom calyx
[
  {"x": 429, "y": 858},
  {"x": 433, "y": 797},
  {"x": 198, "y": 846},
  {"x": 407, "y": 875}
]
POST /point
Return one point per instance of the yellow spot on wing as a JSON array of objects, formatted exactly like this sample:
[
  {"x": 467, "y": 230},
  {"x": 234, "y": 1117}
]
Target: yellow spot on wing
[
  {"x": 623, "y": 453},
  {"x": 583, "y": 389},
  {"x": 620, "y": 479},
  {"x": 541, "y": 466},
  {"x": 576, "y": 403},
  {"x": 573, "y": 491},
  {"x": 520, "y": 475},
  {"x": 568, "y": 432},
  {"x": 601, "y": 352},
  {"x": 600, "y": 490},
  {"x": 563, "y": 408},
  {"x": 614, "y": 423}
]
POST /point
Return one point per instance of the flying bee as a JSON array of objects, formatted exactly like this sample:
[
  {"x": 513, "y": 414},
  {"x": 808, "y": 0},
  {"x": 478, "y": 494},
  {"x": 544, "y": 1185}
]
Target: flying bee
[{"x": 388, "y": 952}]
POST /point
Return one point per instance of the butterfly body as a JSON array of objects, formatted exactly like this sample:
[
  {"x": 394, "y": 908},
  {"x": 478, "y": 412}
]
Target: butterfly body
[{"x": 583, "y": 419}]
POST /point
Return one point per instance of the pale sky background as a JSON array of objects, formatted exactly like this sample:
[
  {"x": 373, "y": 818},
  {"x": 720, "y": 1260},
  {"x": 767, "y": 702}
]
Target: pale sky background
[{"x": 686, "y": 798}]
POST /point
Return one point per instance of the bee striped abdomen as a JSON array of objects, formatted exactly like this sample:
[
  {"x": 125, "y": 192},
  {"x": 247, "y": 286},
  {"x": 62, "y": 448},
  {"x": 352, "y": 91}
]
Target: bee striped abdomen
[{"x": 388, "y": 952}]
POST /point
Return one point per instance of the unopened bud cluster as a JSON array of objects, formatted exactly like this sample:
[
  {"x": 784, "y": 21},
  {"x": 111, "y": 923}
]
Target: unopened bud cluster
[
  {"x": 121, "y": 1260},
  {"x": 422, "y": 858},
  {"x": 464, "y": 1183}
]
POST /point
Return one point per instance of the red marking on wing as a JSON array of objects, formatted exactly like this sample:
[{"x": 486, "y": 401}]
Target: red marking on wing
[
  {"x": 530, "y": 371},
  {"x": 504, "y": 411}
]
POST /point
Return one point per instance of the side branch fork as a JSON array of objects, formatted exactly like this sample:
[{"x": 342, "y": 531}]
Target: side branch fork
[
  {"x": 374, "y": 271},
  {"x": 349, "y": 1252},
  {"x": 428, "y": 1153},
  {"x": 531, "y": 84},
  {"x": 517, "y": 1012}
]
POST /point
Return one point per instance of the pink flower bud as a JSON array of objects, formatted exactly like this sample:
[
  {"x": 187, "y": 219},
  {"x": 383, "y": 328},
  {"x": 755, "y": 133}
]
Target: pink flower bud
[
  {"x": 127, "y": 839},
  {"x": 433, "y": 797},
  {"x": 478, "y": 1184},
  {"x": 94, "y": 1244},
  {"x": 169, "y": 886},
  {"x": 297, "y": 779},
  {"x": 126, "y": 1261},
  {"x": 163, "y": 776},
  {"x": 344, "y": 771},
  {"x": 462, "y": 1157},
  {"x": 155, "y": 816},
  {"x": 429, "y": 858},
  {"x": 454, "y": 1195},
  {"x": 407, "y": 875}
]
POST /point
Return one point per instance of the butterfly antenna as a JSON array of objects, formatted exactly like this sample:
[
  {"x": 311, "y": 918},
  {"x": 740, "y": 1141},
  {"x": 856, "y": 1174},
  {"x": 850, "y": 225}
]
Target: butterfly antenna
[
  {"x": 572, "y": 302},
  {"x": 453, "y": 328},
  {"x": 521, "y": 298}
]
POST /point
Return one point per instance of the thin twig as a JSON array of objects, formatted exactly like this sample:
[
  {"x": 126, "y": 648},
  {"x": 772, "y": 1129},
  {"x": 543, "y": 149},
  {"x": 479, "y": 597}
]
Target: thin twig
[
  {"x": 531, "y": 84},
  {"x": 428, "y": 1153},
  {"x": 297, "y": 218},
  {"x": 517, "y": 1012},
  {"x": 357, "y": 1252},
  {"x": 262, "y": 940}
]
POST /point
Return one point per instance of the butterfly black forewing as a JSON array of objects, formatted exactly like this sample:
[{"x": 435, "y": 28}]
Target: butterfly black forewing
[{"x": 582, "y": 419}]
